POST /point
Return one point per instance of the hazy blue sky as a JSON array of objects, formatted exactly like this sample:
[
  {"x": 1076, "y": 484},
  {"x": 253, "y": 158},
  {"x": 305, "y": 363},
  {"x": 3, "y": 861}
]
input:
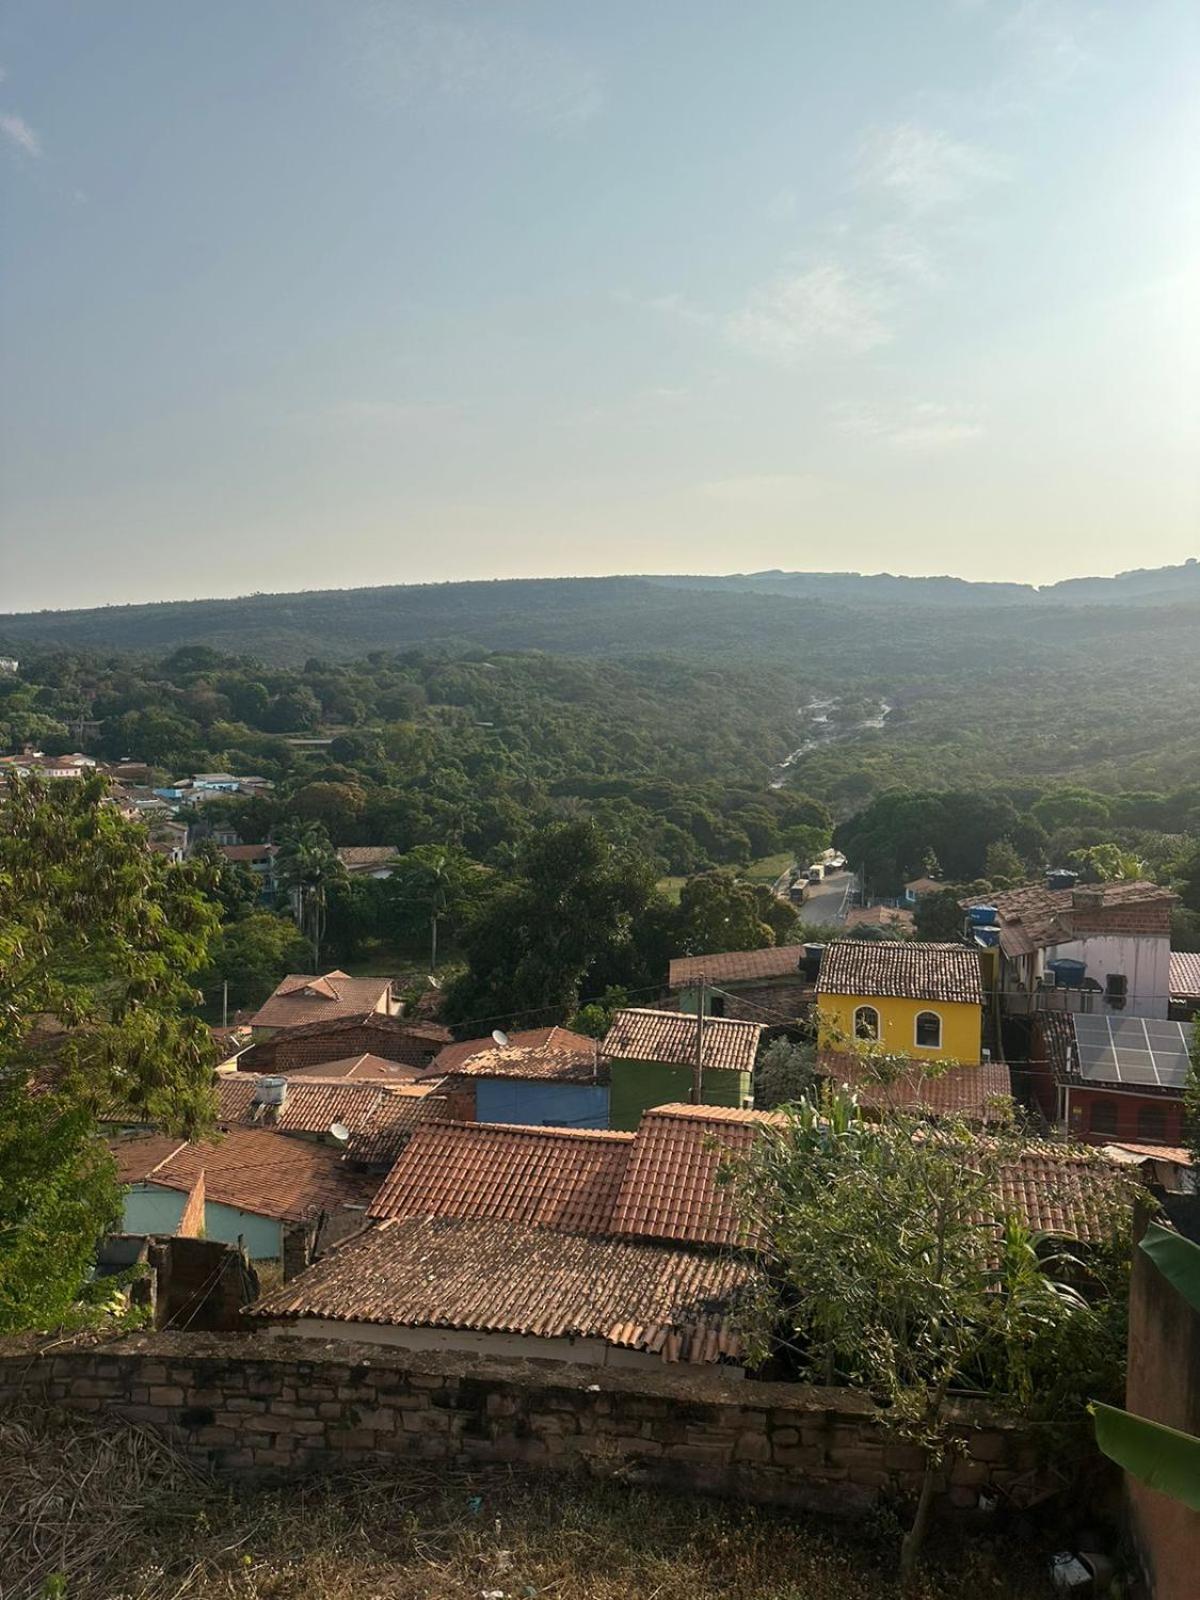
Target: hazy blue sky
[{"x": 302, "y": 294}]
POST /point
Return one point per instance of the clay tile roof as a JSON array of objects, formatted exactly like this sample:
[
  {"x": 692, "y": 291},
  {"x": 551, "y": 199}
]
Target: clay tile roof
[
  {"x": 506, "y": 1277},
  {"x": 550, "y": 1177},
  {"x": 366, "y": 857},
  {"x": 670, "y": 1037},
  {"x": 1185, "y": 976},
  {"x": 670, "y": 1188},
  {"x": 303, "y": 998},
  {"x": 417, "y": 1028},
  {"x": 733, "y": 966},
  {"x": 565, "y": 1058},
  {"x": 557, "y": 1041},
  {"x": 1033, "y": 916},
  {"x": 1062, "y": 1189},
  {"x": 886, "y": 968},
  {"x": 261, "y": 1172},
  {"x": 249, "y": 852},
  {"x": 925, "y": 885},
  {"x": 979, "y": 1093},
  {"x": 365, "y": 1068},
  {"x": 379, "y": 1118}
]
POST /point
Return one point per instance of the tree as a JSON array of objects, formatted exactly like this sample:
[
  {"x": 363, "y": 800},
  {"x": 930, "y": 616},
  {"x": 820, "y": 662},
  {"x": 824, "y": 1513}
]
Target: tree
[
  {"x": 306, "y": 867},
  {"x": 784, "y": 1073},
  {"x": 1108, "y": 863},
  {"x": 595, "y": 1018},
  {"x": 717, "y": 913},
  {"x": 570, "y": 922},
  {"x": 336, "y": 806},
  {"x": 1001, "y": 863},
  {"x": 431, "y": 884},
  {"x": 103, "y": 936},
  {"x": 233, "y": 886},
  {"x": 938, "y": 917},
  {"x": 892, "y": 1265},
  {"x": 1191, "y": 1095},
  {"x": 252, "y": 955}
]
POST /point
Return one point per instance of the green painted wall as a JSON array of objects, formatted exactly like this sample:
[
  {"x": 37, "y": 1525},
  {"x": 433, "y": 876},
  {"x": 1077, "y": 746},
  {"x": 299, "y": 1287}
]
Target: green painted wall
[{"x": 639, "y": 1085}]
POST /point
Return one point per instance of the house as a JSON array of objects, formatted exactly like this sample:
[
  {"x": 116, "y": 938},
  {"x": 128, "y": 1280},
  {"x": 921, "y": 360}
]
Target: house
[
  {"x": 373, "y": 1120},
  {"x": 1108, "y": 1080},
  {"x": 9, "y": 664},
  {"x": 917, "y": 888},
  {"x": 774, "y": 985},
  {"x": 978, "y": 1094},
  {"x": 368, "y": 860},
  {"x": 215, "y": 782},
  {"x": 168, "y": 839},
  {"x": 879, "y": 916},
  {"x": 256, "y": 858},
  {"x": 1099, "y": 947},
  {"x": 304, "y": 998},
  {"x": 544, "y": 1077},
  {"x": 924, "y": 1001},
  {"x": 283, "y": 1199},
  {"x": 341, "y": 1042},
  {"x": 655, "y": 1058},
  {"x": 613, "y": 1249},
  {"x": 1164, "y": 1166},
  {"x": 1184, "y": 985}
]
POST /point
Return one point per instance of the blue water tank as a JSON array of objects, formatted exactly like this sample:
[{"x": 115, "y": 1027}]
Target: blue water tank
[
  {"x": 989, "y": 938},
  {"x": 1067, "y": 974},
  {"x": 982, "y": 916}
]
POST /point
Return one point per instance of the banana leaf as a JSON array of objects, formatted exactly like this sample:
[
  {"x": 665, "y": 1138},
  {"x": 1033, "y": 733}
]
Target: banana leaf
[
  {"x": 1177, "y": 1258},
  {"x": 1160, "y": 1457}
]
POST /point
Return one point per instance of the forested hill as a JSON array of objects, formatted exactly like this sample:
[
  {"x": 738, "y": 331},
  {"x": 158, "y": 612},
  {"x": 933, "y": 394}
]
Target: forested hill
[{"x": 780, "y": 615}]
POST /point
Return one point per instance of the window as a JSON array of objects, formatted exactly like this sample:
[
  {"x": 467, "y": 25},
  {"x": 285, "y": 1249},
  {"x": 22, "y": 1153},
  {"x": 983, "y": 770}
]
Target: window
[
  {"x": 1116, "y": 988},
  {"x": 1103, "y": 1117},
  {"x": 1152, "y": 1124},
  {"x": 929, "y": 1030},
  {"x": 716, "y": 1005},
  {"x": 866, "y": 1023}
]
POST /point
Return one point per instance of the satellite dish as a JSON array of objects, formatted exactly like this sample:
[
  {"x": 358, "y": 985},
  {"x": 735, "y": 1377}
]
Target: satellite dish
[
  {"x": 501, "y": 1038},
  {"x": 340, "y": 1132},
  {"x": 434, "y": 983}
]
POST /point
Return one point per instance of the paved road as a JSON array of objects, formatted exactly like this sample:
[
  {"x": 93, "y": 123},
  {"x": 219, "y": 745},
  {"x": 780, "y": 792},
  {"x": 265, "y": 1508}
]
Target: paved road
[{"x": 830, "y": 899}]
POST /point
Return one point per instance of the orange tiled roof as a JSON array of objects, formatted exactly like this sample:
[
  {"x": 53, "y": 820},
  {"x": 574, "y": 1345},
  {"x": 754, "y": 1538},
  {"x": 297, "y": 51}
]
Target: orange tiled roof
[
  {"x": 366, "y": 857},
  {"x": 379, "y": 1118},
  {"x": 366, "y": 1068},
  {"x": 669, "y": 1189},
  {"x": 1062, "y": 1189},
  {"x": 1034, "y": 917},
  {"x": 303, "y": 998},
  {"x": 260, "y": 1172},
  {"x": 551, "y": 1177},
  {"x": 887, "y": 968},
  {"x": 964, "y": 1091},
  {"x": 733, "y": 966},
  {"x": 561, "y": 1041},
  {"x": 1185, "y": 976},
  {"x": 637, "y": 1034},
  {"x": 506, "y": 1277},
  {"x": 566, "y": 1057}
]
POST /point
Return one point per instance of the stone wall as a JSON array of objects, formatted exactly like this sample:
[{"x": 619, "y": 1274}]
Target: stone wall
[{"x": 251, "y": 1404}]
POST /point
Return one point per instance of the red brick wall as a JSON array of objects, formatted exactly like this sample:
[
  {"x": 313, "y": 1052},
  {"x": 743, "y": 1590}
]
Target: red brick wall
[
  {"x": 1127, "y": 1106},
  {"x": 284, "y": 1054}
]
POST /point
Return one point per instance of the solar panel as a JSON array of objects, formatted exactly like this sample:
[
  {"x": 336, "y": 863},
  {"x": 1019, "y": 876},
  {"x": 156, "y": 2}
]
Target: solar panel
[{"x": 1142, "y": 1052}]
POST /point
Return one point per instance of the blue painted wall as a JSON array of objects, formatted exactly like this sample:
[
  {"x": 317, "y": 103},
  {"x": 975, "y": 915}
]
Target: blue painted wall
[
  {"x": 149, "y": 1209},
  {"x": 565, "y": 1105}
]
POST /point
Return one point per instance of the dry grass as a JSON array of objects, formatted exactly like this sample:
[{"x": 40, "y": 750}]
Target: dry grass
[{"x": 91, "y": 1510}]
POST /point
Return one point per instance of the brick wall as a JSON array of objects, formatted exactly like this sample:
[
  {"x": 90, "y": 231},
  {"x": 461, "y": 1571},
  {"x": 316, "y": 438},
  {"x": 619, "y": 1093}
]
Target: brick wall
[
  {"x": 250, "y": 1404},
  {"x": 284, "y": 1054}
]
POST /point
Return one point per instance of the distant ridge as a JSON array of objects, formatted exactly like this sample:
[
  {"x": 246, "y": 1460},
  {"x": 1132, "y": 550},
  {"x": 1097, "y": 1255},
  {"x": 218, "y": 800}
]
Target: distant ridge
[{"x": 592, "y": 616}]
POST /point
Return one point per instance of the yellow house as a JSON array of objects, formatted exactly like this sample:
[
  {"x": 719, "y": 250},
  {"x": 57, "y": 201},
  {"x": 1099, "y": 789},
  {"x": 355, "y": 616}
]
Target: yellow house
[{"x": 924, "y": 1001}]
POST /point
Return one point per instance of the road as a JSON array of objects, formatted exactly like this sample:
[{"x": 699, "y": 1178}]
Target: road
[{"x": 829, "y": 900}]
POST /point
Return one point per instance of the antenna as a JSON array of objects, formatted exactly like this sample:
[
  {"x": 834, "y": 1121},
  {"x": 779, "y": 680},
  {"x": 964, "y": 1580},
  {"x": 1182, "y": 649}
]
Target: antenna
[
  {"x": 340, "y": 1133},
  {"x": 501, "y": 1038}
]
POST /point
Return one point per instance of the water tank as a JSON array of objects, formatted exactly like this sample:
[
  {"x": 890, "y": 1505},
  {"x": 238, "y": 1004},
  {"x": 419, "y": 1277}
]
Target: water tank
[
  {"x": 983, "y": 916},
  {"x": 1067, "y": 974},
  {"x": 988, "y": 938},
  {"x": 1061, "y": 878},
  {"x": 270, "y": 1091},
  {"x": 810, "y": 961}
]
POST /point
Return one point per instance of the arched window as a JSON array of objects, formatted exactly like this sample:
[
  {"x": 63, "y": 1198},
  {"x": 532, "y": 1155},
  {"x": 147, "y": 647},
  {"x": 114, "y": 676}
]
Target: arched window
[
  {"x": 866, "y": 1023},
  {"x": 1103, "y": 1117},
  {"x": 1152, "y": 1124},
  {"x": 929, "y": 1030}
]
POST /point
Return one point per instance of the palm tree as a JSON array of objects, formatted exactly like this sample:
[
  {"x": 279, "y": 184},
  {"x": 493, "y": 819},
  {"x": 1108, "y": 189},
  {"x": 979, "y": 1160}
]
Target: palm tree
[
  {"x": 439, "y": 878},
  {"x": 306, "y": 866}
]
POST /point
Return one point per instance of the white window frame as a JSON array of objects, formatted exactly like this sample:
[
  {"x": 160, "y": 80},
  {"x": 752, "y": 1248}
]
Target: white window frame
[
  {"x": 917, "y": 1045},
  {"x": 874, "y": 1036}
]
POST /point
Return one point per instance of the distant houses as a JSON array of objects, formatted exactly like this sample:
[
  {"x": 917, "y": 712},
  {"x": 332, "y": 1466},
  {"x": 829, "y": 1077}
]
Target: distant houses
[
  {"x": 657, "y": 1057},
  {"x": 304, "y": 998}
]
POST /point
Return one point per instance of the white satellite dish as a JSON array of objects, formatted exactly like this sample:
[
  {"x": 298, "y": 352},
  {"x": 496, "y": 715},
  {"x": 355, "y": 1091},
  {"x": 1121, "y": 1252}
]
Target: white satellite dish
[
  {"x": 340, "y": 1132},
  {"x": 501, "y": 1038},
  {"x": 434, "y": 983}
]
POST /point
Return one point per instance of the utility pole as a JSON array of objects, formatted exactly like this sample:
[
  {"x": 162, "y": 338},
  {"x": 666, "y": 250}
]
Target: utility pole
[
  {"x": 698, "y": 1070},
  {"x": 225, "y": 1003}
]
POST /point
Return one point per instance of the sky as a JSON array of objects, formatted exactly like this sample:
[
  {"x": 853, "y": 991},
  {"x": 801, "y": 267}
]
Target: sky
[{"x": 318, "y": 293}]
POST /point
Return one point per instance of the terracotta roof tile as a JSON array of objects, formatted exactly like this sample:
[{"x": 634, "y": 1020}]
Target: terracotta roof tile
[
  {"x": 303, "y": 998},
  {"x": 890, "y": 969},
  {"x": 1062, "y": 1189},
  {"x": 1034, "y": 917},
  {"x": 379, "y": 1118},
  {"x": 670, "y": 1037},
  {"x": 249, "y": 852},
  {"x": 265, "y": 1173},
  {"x": 556, "y": 1041},
  {"x": 1185, "y": 976},
  {"x": 550, "y": 1177},
  {"x": 365, "y": 1068},
  {"x": 733, "y": 966},
  {"x": 567, "y": 1058},
  {"x": 670, "y": 1188},
  {"x": 366, "y": 857},
  {"x": 977, "y": 1093},
  {"x": 505, "y": 1277}
]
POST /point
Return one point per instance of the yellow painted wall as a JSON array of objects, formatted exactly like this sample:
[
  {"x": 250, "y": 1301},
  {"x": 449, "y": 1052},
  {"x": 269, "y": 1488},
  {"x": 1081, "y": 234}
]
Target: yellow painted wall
[{"x": 962, "y": 1025}]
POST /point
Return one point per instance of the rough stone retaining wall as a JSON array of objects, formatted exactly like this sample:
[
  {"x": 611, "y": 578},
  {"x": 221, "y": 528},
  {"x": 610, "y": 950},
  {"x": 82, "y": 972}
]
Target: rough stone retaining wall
[{"x": 246, "y": 1404}]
